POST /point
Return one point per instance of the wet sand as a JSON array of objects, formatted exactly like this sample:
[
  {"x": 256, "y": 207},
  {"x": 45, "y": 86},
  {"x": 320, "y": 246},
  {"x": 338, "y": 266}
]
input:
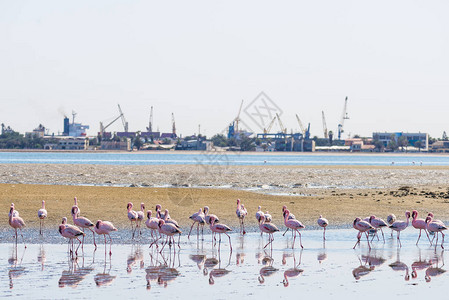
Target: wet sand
[{"x": 338, "y": 193}]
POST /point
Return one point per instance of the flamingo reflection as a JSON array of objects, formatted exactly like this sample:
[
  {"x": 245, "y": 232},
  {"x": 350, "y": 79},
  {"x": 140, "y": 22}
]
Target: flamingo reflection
[
  {"x": 435, "y": 270},
  {"x": 295, "y": 271},
  {"x": 363, "y": 269},
  {"x": 419, "y": 265},
  {"x": 105, "y": 278},
  {"x": 41, "y": 257},
  {"x": 268, "y": 268},
  {"x": 400, "y": 266},
  {"x": 15, "y": 270}
]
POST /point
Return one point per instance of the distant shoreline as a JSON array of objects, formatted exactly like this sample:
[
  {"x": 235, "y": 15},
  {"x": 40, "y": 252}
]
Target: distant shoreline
[{"x": 414, "y": 154}]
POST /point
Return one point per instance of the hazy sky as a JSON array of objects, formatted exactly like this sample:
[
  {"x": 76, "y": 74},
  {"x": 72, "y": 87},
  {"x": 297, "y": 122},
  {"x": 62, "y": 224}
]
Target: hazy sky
[{"x": 199, "y": 59}]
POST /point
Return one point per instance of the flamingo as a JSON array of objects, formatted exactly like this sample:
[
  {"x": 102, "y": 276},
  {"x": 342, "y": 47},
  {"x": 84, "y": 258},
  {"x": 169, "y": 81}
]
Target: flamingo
[
  {"x": 169, "y": 230},
  {"x": 158, "y": 210},
  {"x": 41, "y": 214},
  {"x": 71, "y": 232},
  {"x": 132, "y": 216},
  {"x": 361, "y": 226},
  {"x": 259, "y": 214},
  {"x": 378, "y": 223},
  {"x": 437, "y": 227},
  {"x": 105, "y": 228},
  {"x": 398, "y": 226},
  {"x": 14, "y": 212},
  {"x": 198, "y": 218},
  {"x": 322, "y": 222},
  {"x": 75, "y": 200},
  {"x": 268, "y": 228},
  {"x": 140, "y": 217},
  {"x": 241, "y": 214},
  {"x": 268, "y": 217},
  {"x": 292, "y": 216},
  {"x": 419, "y": 224},
  {"x": 294, "y": 225},
  {"x": 152, "y": 223},
  {"x": 83, "y": 223},
  {"x": 220, "y": 228},
  {"x": 16, "y": 223},
  {"x": 207, "y": 216},
  {"x": 391, "y": 218},
  {"x": 169, "y": 220}
]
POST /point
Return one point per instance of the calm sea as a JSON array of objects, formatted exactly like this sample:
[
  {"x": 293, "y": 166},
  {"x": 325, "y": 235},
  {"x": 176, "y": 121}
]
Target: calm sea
[{"x": 220, "y": 159}]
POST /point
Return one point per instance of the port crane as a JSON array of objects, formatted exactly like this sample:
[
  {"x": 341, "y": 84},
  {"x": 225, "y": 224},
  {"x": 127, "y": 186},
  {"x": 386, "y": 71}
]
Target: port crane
[
  {"x": 283, "y": 129},
  {"x": 125, "y": 124},
  {"x": 267, "y": 130},
  {"x": 150, "y": 124},
  {"x": 344, "y": 116},
  {"x": 326, "y": 136},
  {"x": 303, "y": 130}
]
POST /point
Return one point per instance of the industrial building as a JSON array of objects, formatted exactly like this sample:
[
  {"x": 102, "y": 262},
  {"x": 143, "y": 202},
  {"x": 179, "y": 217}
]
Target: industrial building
[
  {"x": 74, "y": 129},
  {"x": 68, "y": 143},
  {"x": 412, "y": 138}
]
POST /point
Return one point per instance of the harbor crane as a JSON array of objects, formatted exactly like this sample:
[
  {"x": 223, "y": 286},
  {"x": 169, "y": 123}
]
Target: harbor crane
[
  {"x": 237, "y": 119},
  {"x": 326, "y": 136},
  {"x": 303, "y": 130},
  {"x": 150, "y": 124},
  {"x": 283, "y": 129},
  {"x": 173, "y": 124},
  {"x": 267, "y": 130},
  {"x": 103, "y": 128},
  {"x": 124, "y": 122},
  {"x": 344, "y": 116}
]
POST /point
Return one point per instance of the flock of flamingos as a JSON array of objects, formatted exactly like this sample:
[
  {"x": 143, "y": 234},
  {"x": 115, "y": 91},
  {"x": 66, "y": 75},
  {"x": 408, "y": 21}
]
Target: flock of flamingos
[{"x": 163, "y": 225}]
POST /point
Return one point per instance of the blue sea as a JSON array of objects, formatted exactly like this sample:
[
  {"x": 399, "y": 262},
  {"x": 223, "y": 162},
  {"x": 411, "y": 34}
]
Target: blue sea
[{"x": 225, "y": 158}]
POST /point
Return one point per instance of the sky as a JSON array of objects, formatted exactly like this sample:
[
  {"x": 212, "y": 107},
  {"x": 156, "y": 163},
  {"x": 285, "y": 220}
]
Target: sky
[{"x": 200, "y": 59}]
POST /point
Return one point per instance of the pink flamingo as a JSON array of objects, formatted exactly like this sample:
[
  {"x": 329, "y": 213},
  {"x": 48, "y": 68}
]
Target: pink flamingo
[
  {"x": 391, "y": 218},
  {"x": 268, "y": 228},
  {"x": 132, "y": 216},
  {"x": 322, "y": 222},
  {"x": 158, "y": 210},
  {"x": 268, "y": 217},
  {"x": 419, "y": 224},
  {"x": 378, "y": 223},
  {"x": 361, "y": 226},
  {"x": 437, "y": 227},
  {"x": 292, "y": 216},
  {"x": 75, "y": 200},
  {"x": 71, "y": 232},
  {"x": 152, "y": 223},
  {"x": 241, "y": 214},
  {"x": 207, "y": 216},
  {"x": 140, "y": 217},
  {"x": 16, "y": 223},
  {"x": 199, "y": 219},
  {"x": 41, "y": 214},
  {"x": 169, "y": 230},
  {"x": 14, "y": 212},
  {"x": 398, "y": 226},
  {"x": 105, "y": 228},
  {"x": 83, "y": 223},
  {"x": 168, "y": 220},
  {"x": 294, "y": 225},
  {"x": 220, "y": 228},
  {"x": 259, "y": 214}
]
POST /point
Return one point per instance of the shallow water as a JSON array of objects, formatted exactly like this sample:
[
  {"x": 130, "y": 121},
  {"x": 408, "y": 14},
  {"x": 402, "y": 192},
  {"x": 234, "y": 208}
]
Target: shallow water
[{"x": 199, "y": 269}]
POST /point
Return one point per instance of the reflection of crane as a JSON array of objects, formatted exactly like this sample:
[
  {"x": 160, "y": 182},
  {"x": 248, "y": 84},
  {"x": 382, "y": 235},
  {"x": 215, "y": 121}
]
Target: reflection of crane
[
  {"x": 124, "y": 122},
  {"x": 267, "y": 130},
  {"x": 283, "y": 129},
  {"x": 150, "y": 124},
  {"x": 103, "y": 128},
  {"x": 173, "y": 124},
  {"x": 344, "y": 116},
  {"x": 324, "y": 125}
]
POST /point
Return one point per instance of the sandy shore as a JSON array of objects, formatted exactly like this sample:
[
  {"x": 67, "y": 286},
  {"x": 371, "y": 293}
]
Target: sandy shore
[{"x": 339, "y": 193}]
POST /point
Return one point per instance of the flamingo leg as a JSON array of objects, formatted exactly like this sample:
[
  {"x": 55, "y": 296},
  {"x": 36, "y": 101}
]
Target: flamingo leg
[
  {"x": 229, "y": 241},
  {"x": 300, "y": 241},
  {"x": 179, "y": 240},
  {"x": 419, "y": 236},
  {"x": 110, "y": 244},
  {"x": 132, "y": 229},
  {"x": 442, "y": 242},
  {"x": 367, "y": 239},
  {"x": 383, "y": 237},
  {"x": 294, "y": 239},
  {"x": 190, "y": 230},
  {"x": 22, "y": 238},
  {"x": 324, "y": 234},
  {"x": 76, "y": 251},
  {"x": 427, "y": 233},
  {"x": 93, "y": 234},
  {"x": 243, "y": 224},
  {"x": 399, "y": 240},
  {"x": 285, "y": 231},
  {"x": 358, "y": 239}
]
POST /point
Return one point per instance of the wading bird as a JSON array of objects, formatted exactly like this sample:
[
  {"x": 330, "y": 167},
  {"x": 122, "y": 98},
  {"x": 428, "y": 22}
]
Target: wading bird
[
  {"x": 398, "y": 226},
  {"x": 294, "y": 225},
  {"x": 105, "y": 228},
  {"x": 41, "y": 214},
  {"x": 241, "y": 214},
  {"x": 322, "y": 222}
]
